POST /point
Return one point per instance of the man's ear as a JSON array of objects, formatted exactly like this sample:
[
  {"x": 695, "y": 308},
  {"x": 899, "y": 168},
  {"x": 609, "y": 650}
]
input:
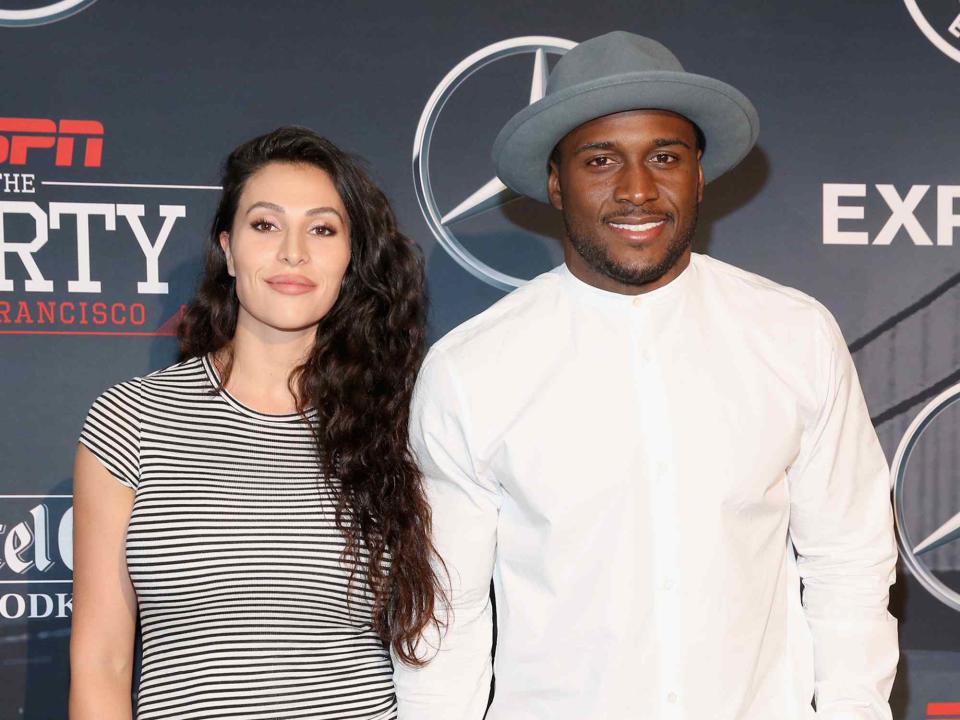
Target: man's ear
[
  {"x": 700, "y": 182},
  {"x": 225, "y": 246},
  {"x": 553, "y": 186}
]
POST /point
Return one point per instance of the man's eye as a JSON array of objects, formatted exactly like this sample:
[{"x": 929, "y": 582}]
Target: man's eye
[
  {"x": 599, "y": 161},
  {"x": 664, "y": 158}
]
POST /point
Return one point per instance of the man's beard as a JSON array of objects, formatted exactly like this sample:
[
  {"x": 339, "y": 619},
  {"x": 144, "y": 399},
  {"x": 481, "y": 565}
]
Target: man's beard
[{"x": 595, "y": 254}]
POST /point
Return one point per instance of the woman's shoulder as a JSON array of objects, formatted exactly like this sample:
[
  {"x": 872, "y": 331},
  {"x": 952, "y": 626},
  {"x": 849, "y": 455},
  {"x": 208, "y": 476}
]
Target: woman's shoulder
[
  {"x": 191, "y": 372},
  {"x": 186, "y": 377},
  {"x": 113, "y": 427}
]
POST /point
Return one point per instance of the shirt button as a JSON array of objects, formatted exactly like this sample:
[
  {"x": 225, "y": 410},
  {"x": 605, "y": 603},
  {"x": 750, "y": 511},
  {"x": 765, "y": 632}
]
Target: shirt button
[
  {"x": 667, "y": 584},
  {"x": 672, "y": 698},
  {"x": 637, "y": 301}
]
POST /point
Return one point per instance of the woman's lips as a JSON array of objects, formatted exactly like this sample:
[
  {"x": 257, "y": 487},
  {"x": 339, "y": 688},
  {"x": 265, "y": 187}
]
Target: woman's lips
[{"x": 291, "y": 284}]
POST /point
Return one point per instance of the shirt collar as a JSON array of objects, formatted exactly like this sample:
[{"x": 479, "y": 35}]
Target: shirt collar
[{"x": 652, "y": 298}]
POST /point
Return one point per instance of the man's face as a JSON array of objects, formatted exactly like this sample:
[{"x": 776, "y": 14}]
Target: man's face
[{"x": 629, "y": 186}]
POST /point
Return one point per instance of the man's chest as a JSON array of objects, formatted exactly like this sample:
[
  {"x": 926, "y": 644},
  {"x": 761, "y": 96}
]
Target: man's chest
[{"x": 717, "y": 425}]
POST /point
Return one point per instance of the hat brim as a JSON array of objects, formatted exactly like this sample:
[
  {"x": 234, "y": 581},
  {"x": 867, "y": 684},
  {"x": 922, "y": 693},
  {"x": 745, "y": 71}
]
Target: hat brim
[{"x": 729, "y": 122}]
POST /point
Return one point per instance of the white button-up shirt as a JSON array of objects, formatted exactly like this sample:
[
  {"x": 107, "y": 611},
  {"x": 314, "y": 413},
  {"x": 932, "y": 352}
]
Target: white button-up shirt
[{"x": 647, "y": 480}]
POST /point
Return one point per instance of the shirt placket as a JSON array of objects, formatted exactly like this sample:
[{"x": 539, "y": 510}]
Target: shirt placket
[{"x": 657, "y": 467}]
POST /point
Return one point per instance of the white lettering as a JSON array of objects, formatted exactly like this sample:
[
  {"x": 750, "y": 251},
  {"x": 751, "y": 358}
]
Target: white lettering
[
  {"x": 901, "y": 215},
  {"x": 947, "y": 216},
  {"x": 38, "y": 533},
  {"x": 151, "y": 251},
  {"x": 83, "y": 211},
  {"x": 18, "y": 602},
  {"x": 35, "y": 606},
  {"x": 64, "y": 604},
  {"x": 65, "y": 538},
  {"x": 24, "y": 251},
  {"x": 41, "y": 538},
  {"x": 18, "y": 182},
  {"x": 834, "y": 212},
  {"x": 17, "y": 542}
]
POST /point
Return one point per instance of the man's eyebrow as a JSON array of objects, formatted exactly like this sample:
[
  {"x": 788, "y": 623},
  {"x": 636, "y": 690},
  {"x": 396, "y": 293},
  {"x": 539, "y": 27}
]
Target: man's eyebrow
[
  {"x": 610, "y": 144},
  {"x": 599, "y": 145},
  {"x": 666, "y": 142}
]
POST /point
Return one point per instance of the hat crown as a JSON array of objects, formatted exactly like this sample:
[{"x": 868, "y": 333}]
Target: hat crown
[
  {"x": 615, "y": 53},
  {"x": 615, "y": 73}
]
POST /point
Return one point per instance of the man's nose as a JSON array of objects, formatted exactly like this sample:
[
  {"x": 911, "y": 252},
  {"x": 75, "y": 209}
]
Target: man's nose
[{"x": 636, "y": 184}]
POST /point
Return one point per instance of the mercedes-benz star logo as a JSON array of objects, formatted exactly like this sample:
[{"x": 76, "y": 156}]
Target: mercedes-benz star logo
[
  {"x": 913, "y": 552},
  {"x": 494, "y": 193},
  {"x": 940, "y": 22},
  {"x": 42, "y": 13}
]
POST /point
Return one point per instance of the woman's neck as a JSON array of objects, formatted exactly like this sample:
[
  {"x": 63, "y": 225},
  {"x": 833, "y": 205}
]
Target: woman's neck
[{"x": 261, "y": 367}]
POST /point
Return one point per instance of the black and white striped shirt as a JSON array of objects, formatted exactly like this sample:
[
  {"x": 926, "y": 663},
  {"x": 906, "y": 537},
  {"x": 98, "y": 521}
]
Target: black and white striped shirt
[{"x": 236, "y": 559}]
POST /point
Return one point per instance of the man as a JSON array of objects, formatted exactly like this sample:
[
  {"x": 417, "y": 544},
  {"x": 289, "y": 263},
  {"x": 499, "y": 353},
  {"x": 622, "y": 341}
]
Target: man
[{"x": 649, "y": 450}]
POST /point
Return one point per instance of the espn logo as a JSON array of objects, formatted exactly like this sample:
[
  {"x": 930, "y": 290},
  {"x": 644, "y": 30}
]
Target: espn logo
[
  {"x": 943, "y": 711},
  {"x": 21, "y": 136}
]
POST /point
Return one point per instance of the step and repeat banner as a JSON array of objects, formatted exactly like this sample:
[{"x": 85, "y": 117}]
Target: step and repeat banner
[{"x": 115, "y": 117}]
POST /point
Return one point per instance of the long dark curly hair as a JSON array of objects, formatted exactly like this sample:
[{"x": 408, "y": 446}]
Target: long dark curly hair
[{"x": 358, "y": 377}]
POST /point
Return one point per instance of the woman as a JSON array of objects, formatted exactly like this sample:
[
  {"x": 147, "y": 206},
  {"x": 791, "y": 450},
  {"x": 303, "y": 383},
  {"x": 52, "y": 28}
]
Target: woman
[{"x": 268, "y": 522}]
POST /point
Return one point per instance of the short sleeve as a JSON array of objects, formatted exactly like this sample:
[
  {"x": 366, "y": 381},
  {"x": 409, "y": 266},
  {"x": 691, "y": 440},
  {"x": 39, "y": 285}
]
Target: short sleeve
[{"x": 112, "y": 431}]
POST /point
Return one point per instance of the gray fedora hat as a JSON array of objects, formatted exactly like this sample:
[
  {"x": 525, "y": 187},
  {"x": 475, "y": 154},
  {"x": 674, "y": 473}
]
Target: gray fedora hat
[{"x": 612, "y": 73}]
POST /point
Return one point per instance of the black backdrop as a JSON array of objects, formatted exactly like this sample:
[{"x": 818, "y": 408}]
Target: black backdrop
[{"x": 859, "y": 113}]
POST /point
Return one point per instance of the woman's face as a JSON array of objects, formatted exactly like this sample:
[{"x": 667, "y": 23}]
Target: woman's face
[{"x": 289, "y": 247}]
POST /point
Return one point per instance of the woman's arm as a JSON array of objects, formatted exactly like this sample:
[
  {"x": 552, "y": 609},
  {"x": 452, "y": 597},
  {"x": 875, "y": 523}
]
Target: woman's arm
[{"x": 104, "y": 601}]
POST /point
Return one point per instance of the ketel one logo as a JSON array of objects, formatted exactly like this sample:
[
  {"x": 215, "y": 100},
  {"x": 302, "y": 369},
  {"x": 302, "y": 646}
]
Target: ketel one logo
[
  {"x": 36, "y": 534},
  {"x": 36, "y": 556},
  {"x": 940, "y": 22},
  {"x": 22, "y": 138},
  {"x": 915, "y": 549},
  {"x": 494, "y": 193},
  {"x": 41, "y": 12}
]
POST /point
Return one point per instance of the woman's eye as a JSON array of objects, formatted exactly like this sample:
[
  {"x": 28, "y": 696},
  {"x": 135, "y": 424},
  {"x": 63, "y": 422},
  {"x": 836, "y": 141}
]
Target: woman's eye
[
  {"x": 262, "y": 225},
  {"x": 323, "y": 230}
]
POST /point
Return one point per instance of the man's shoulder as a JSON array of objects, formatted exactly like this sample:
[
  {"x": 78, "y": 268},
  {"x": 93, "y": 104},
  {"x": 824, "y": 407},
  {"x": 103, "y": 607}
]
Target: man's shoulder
[
  {"x": 512, "y": 319},
  {"x": 762, "y": 295},
  {"x": 751, "y": 283}
]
